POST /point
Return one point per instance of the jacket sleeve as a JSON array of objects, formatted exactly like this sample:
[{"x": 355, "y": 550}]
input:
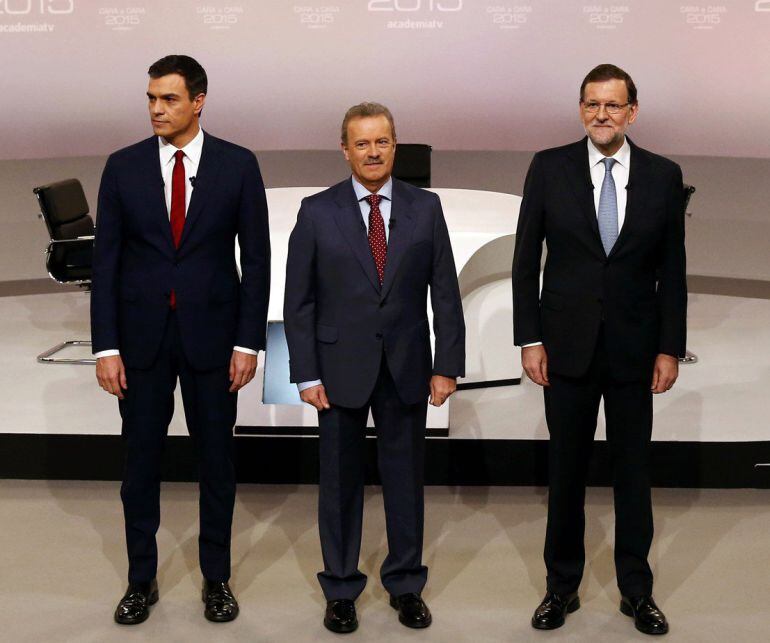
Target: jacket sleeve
[
  {"x": 254, "y": 242},
  {"x": 106, "y": 263},
  {"x": 672, "y": 279},
  {"x": 299, "y": 302},
  {"x": 448, "y": 319},
  {"x": 528, "y": 251}
]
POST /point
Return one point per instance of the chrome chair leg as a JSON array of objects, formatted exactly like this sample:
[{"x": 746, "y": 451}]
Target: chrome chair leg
[
  {"x": 48, "y": 356},
  {"x": 689, "y": 358}
]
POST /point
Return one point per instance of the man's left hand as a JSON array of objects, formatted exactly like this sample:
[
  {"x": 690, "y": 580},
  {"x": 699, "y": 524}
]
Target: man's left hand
[
  {"x": 242, "y": 370},
  {"x": 665, "y": 373},
  {"x": 441, "y": 388}
]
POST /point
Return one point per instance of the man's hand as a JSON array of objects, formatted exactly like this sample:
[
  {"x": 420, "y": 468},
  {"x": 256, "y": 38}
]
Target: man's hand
[
  {"x": 316, "y": 396},
  {"x": 441, "y": 388},
  {"x": 111, "y": 375},
  {"x": 535, "y": 363},
  {"x": 243, "y": 366},
  {"x": 665, "y": 373}
]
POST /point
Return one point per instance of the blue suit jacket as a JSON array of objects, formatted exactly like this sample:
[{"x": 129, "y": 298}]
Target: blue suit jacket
[
  {"x": 136, "y": 264},
  {"x": 338, "y": 319}
]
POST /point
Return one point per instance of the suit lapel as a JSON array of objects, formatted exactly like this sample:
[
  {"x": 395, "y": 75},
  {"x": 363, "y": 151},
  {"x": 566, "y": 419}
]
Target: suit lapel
[
  {"x": 156, "y": 198},
  {"x": 205, "y": 182},
  {"x": 579, "y": 175},
  {"x": 400, "y": 236},
  {"x": 636, "y": 195},
  {"x": 351, "y": 225}
]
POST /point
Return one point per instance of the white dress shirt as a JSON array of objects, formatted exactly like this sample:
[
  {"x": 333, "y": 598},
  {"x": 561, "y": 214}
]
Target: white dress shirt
[
  {"x": 386, "y": 192},
  {"x": 620, "y": 171},
  {"x": 191, "y": 160}
]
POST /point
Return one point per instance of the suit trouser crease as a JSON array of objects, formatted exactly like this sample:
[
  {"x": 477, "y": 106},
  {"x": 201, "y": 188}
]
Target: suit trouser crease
[
  {"x": 210, "y": 413},
  {"x": 572, "y": 406},
  {"x": 400, "y": 457}
]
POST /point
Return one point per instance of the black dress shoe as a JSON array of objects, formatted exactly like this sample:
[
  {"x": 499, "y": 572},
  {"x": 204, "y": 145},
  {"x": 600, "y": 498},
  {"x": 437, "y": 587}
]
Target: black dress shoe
[
  {"x": 221, "y": 605},
  {"x": 412, "y": 610},
  {"x": 341, "y": 616},
  {"x": 134, "y": 607},
  {"x": 553, "y": 609},
  {"x": 647, "y": 617}
]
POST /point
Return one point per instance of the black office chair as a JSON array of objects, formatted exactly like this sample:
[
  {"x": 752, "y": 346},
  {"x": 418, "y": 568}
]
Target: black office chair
[
  {"x": 412, "y": 164},
  {"x": 689, "y": 190},
  {"x": 68, "y": 257}
]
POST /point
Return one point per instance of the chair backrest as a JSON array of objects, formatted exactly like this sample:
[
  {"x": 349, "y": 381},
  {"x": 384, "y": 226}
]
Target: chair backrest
[
  {"x": 65, "y": 209},
  {"x": 412, "y": 164}
]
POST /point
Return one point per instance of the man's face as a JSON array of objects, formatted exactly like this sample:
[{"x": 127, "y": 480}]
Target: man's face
[
  {"x": 172, "y": 111},
  {"x": 370, "y": 150},
  {"x": 607, "y": 130}
]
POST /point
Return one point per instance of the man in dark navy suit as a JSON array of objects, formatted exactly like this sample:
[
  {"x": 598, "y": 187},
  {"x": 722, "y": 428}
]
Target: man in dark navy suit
[
  {"x": 168, "y": 303},
  {"x": 609, "y": 323},
  {"x": 362, "y": 257}
]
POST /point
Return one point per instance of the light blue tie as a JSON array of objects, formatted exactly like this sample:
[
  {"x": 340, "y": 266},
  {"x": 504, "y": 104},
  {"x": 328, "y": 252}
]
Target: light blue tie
[{"x": 608, "y": 208}]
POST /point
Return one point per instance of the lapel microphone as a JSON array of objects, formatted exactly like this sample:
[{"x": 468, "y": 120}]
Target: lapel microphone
[
  {"x": 391, "y": 223},
  {"x": 192, "y": 181}
]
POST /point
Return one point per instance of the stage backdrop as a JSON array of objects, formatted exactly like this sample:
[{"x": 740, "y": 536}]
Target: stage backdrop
[{"x": 462, "y": 74}]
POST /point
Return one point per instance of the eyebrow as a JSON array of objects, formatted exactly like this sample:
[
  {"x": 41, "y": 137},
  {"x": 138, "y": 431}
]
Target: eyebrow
[{"x": 166, "y": 96}]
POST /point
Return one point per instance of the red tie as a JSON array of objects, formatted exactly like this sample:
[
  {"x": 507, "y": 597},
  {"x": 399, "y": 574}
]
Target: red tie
[
  {"x": 377, "y": 241},
  {"x": 177, "y": 206}
]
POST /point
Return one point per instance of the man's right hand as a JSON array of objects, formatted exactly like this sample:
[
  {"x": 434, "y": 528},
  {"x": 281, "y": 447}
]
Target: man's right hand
[
  {"x": 316, "y": 396},
  {"x": 535, "y": 363},
  {"x": 111, "y": 375}
]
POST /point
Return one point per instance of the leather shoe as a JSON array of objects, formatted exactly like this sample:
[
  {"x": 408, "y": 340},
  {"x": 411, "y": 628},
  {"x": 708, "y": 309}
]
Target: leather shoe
[
  {"x": 134, "y": 607},
  {"x": 412, "y": 610},
  {"x": 647, "y": 617},
  {"x": 553, "y": 610},
  {"x": 221, "y": 605},
  {"x": 341, "y": 616}
]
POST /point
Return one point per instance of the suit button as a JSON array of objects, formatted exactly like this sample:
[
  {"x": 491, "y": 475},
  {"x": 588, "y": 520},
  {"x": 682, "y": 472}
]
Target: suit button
[
  {"x": 378, "y": 335},
  {"x": 382, "y": 304},
  {"x": 176, "y": 263}
]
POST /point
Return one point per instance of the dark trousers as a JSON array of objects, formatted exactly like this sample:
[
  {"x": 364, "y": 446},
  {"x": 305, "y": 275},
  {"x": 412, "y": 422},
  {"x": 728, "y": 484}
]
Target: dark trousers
[
  {"x": 571, "y": 407},
  {"x": 146, "y": 412},
  {"x": 400, "y": 432}
]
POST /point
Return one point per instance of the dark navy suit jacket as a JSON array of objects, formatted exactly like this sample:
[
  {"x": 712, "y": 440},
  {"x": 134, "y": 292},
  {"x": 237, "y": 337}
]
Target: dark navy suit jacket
[
  {"x": 638, "y": 293},
  {"x": 136, "y": 264},
  {"x": 339, "y": 321}
]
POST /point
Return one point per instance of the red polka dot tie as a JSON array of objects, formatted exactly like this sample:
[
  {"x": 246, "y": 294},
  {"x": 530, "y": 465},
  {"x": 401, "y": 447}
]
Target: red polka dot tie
[{"x": 377, "y": 241}]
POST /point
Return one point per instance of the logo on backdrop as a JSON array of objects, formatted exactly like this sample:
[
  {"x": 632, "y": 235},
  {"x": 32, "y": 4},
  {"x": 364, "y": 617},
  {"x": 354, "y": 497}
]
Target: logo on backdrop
[
  {"x": 606, "y": 16},
  {"x": 319, "y": 17},
  {"x": 29, "y": 16},
  {"x": 122, "y": 18},
  {"x": 415, "y": 14},
  {"x": 702, "y": 17},
  {"x": 762, "y": 5},
  {"x": 219, "y": 17},
  {"x": 509, "y": 16}
]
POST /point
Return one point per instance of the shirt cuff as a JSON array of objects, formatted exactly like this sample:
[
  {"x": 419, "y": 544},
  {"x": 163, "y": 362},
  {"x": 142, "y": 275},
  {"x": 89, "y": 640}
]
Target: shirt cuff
[
  {"x": 532, "y": 344},
  {"x": 305, "y": 385},
  {"x": 241, "y": 349},
  {"x": 108, "y": 353}
]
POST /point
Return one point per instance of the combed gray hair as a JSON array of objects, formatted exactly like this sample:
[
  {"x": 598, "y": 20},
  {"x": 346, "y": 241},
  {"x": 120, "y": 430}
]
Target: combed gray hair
[{"x": 363, "y": 110}]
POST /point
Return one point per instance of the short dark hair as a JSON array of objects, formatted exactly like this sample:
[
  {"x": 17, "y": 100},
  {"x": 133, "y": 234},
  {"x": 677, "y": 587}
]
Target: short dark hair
[
  {"x": 605, "y": 72},
  {"x": 188, "y": 68},
  {"x": 364, "y": 110}
]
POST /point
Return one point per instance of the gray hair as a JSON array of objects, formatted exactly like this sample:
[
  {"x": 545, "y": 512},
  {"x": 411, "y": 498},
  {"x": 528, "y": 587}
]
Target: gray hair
[{"x": 363, "y": 110}]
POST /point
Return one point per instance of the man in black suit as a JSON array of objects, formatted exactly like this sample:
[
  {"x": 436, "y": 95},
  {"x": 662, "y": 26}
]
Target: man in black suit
[
  {"x": 609, "y": 323},
  {"x": 167, "y": 303},
  {"x": 362, "y": 257}
]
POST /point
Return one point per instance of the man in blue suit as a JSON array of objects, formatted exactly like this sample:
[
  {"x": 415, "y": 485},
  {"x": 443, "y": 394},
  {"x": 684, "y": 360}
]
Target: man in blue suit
[
  {"x": 167, "y": 303},
  {"x": 362, "y": 257}
]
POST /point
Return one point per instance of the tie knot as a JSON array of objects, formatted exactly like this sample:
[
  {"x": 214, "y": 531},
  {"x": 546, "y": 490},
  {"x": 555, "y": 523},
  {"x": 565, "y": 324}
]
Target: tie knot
[
  {"x": 179, "y": 155},
  {"x": 608, "y": 163},
  {"x": 373, "y": 200}
]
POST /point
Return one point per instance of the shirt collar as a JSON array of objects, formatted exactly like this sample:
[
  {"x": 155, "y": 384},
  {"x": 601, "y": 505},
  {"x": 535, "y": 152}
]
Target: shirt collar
[
  {"x": 622, "y": 156},
  {"x": 386, "y": 191},
  {"x": 192, "y": 150}
]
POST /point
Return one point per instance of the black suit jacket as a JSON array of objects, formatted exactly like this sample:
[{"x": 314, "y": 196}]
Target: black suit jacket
[
  {"x": 136, "y": 265},
  {"x": 639, "y": 291},
  {"x": 339, "y": 321}
]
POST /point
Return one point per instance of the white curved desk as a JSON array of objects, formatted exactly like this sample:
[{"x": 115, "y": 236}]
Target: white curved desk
[{"x": 475, "y": 220}]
